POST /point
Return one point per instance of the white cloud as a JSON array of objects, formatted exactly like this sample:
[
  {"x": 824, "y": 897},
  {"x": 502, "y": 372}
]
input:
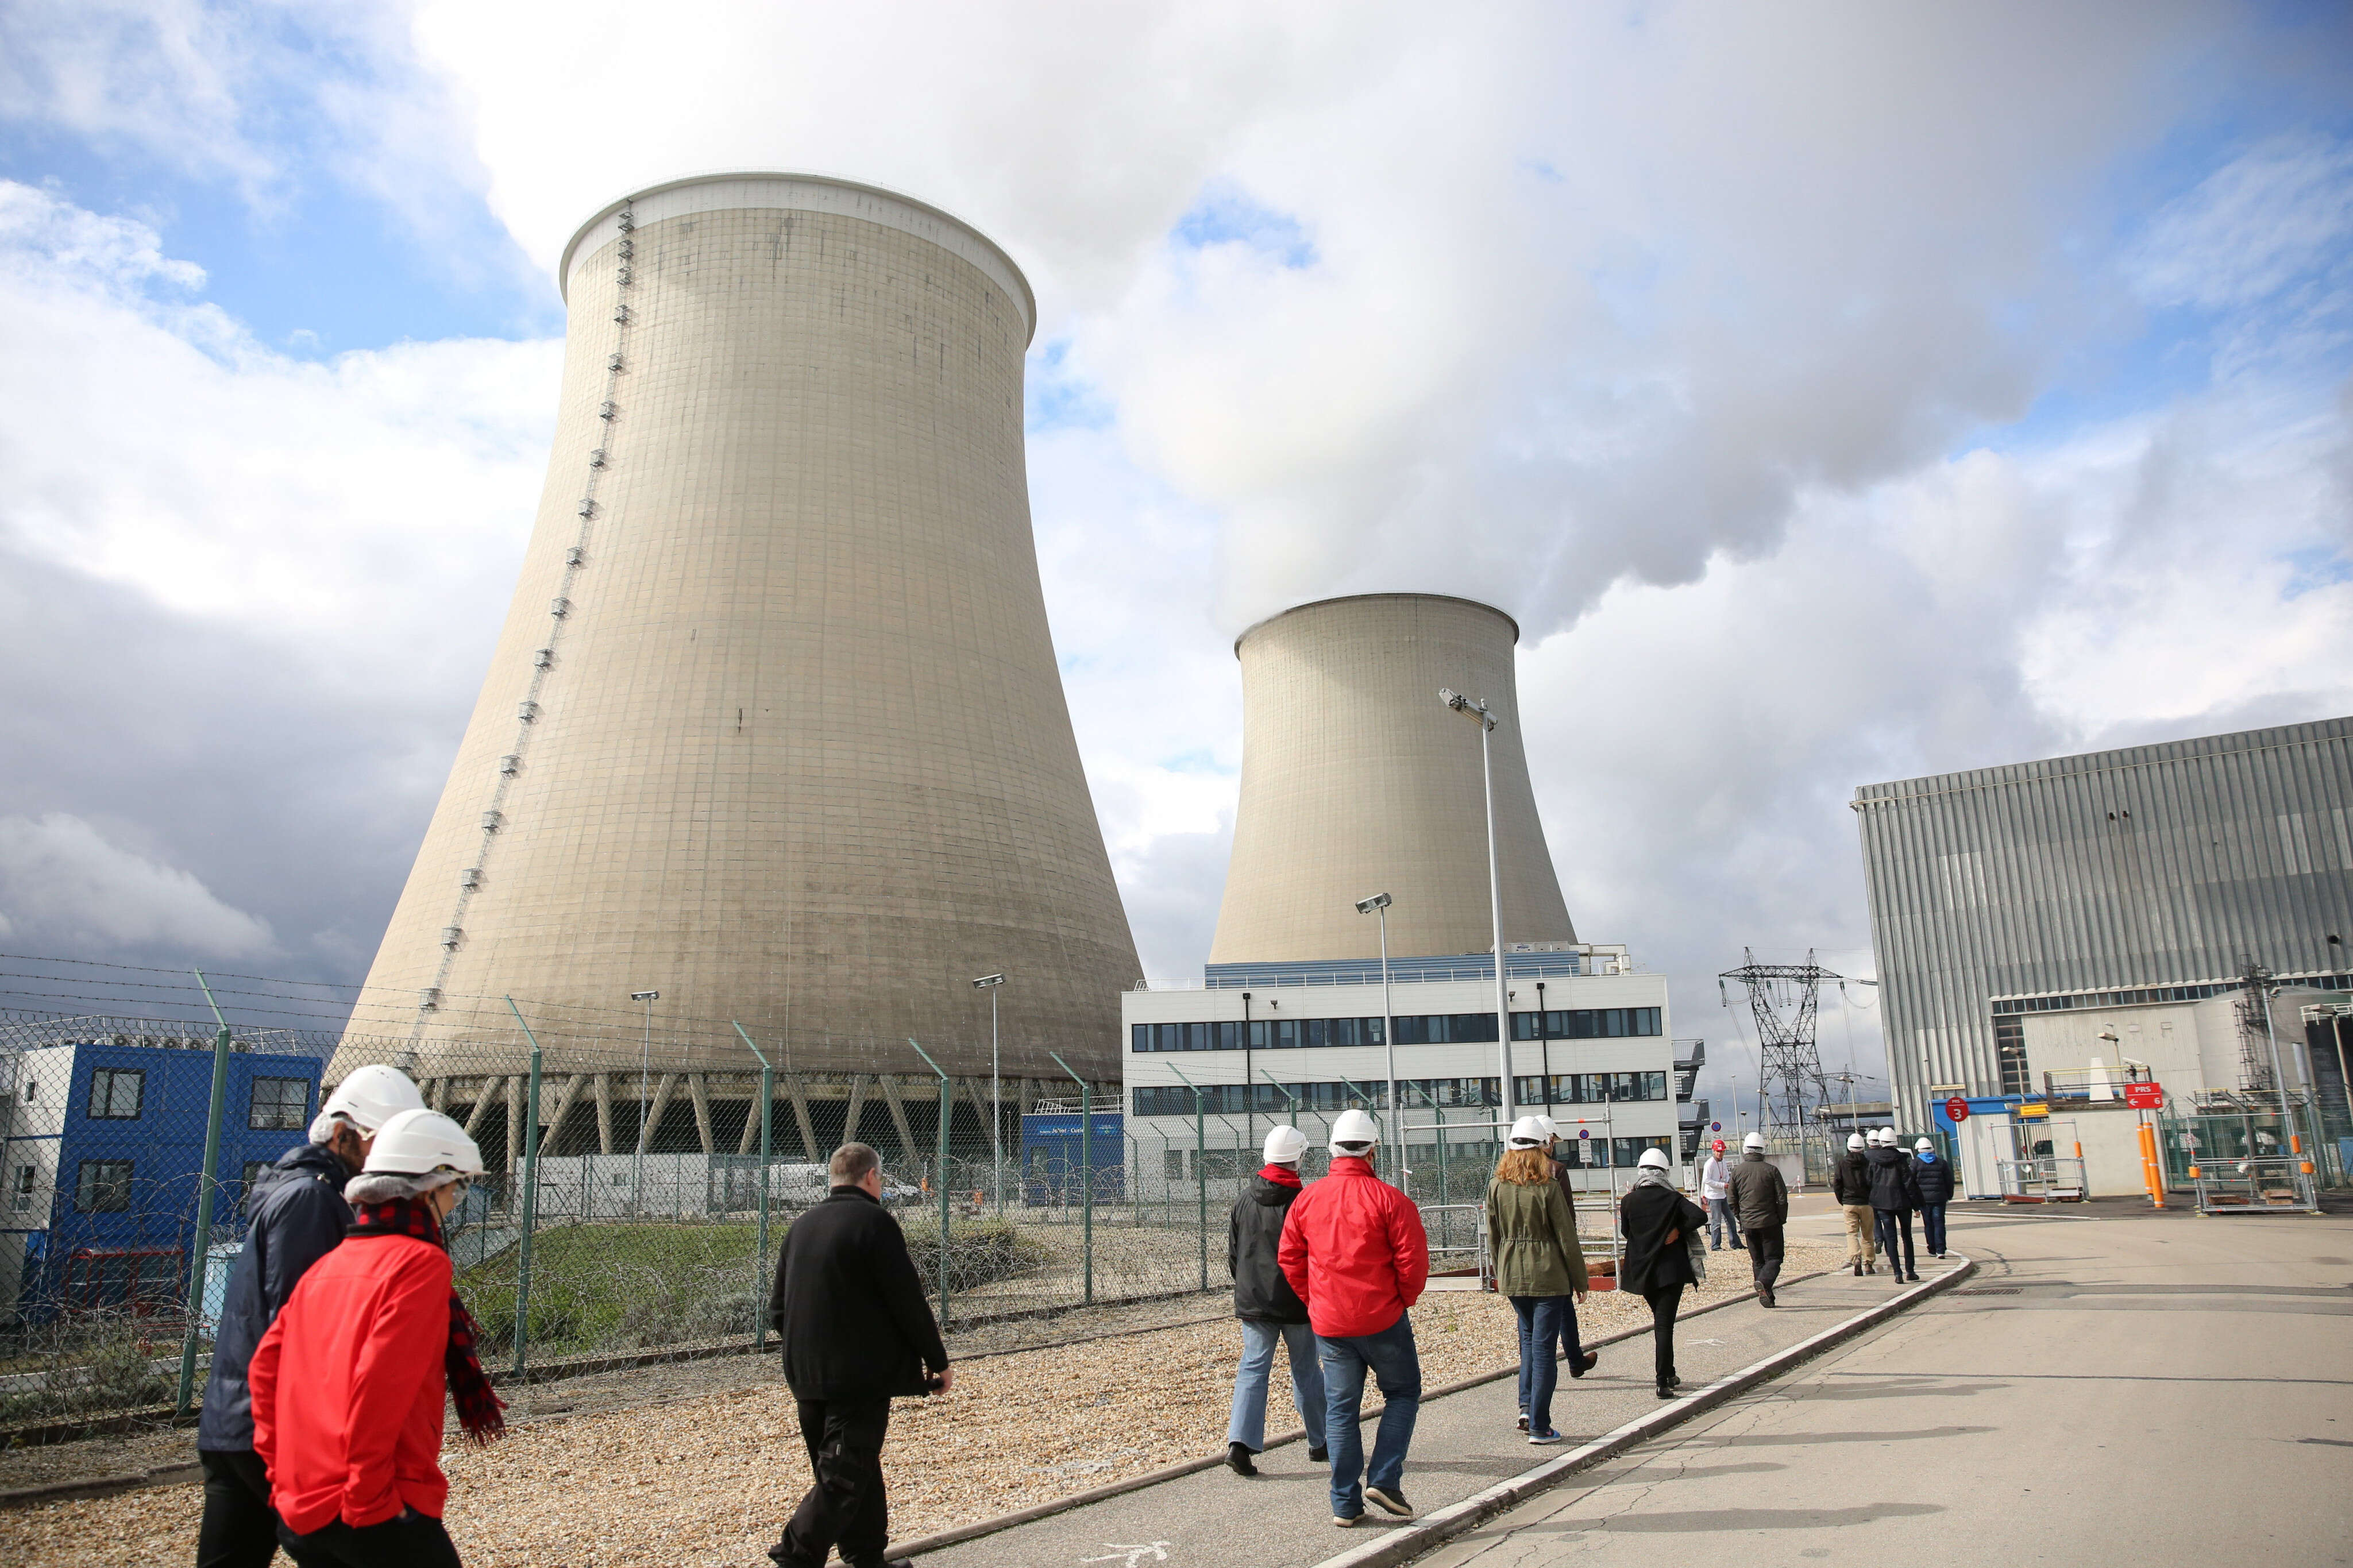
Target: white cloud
[{"x": 64, "y": 886}]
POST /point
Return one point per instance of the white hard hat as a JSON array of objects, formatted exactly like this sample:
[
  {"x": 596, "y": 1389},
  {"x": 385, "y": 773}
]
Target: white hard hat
[
  {"x": 1528, "y": 1132},
  {"x": 1925, "y": 1147},
  {"x": 1754, "y": 1141},
  {"x": 1284, "y": 1145},
  {"x": 368, "y": 1099},
  {"x": 1551, "y": 1128},
  {"x": 1853, "y": 1141},
  {"x": 1887, "y": 1136},
  {"x": 419, "y": 1142},
  {"x": 1353, "y": 1127},
  {"x": 1654, "y": 1157}
]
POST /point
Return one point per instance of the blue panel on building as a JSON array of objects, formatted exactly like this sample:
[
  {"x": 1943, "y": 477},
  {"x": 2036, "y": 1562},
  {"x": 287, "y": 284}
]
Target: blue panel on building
[
  {"x": 101, "y": 1157},
  {"x": 1054, "y": 1153}
]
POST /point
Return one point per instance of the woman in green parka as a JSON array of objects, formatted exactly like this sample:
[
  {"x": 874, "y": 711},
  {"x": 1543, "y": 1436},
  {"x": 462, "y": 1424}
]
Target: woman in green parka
[{"x": 1532, "y": 1236}]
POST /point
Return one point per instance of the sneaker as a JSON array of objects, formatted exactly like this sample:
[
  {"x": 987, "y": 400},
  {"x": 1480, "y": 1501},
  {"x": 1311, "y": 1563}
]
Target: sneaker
[
  {"x": 1523, "y": 1420},
  {"x": 1858, "y": 1270},
  {"x": 1237, "y": 1459},
  {"x": 1538, "y": 1439},
  {"x": 1585, "y": 1363},
  {"x": 1766, "y": 1291},
  {"x": 1319, "y": 1455},
  {"x": 1345, "y": 1521},
  {"x": 1675, "y": 1380},
  {"x": 1392, "y": 1503},
  {"x": 1666, "y": 1390}
]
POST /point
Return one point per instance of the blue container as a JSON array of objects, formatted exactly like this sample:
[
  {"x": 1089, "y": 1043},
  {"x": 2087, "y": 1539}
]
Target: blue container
[{"x": 1051, "y": 1154}]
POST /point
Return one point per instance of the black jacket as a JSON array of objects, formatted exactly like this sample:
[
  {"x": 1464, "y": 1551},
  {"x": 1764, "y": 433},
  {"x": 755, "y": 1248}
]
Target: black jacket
[
  {"x": 1891, "y": 1183},
  {"x": 1850, "y": 1178},
  {"x": 1759, "y": 1194},
  {"x": 848, "y": 1305},
  {"x": 1934, "y": 1178},
  {"x": 1651, "y": 1262},
  {"x": 1262, "y": 1294},
  {"x": 299, "y": 1217}
]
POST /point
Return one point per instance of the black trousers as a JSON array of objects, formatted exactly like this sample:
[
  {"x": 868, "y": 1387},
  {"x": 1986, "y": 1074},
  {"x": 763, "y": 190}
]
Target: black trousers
[
  {"x": 847, "y": 1508},
  {"x": 240, "y": 1529},
  {"x": 1664, "y": 1302},
  {"x": 1764, "y": 1253},
  {"x": 411, "y": 1541},
  {"x": 1895, "y": 1223}
]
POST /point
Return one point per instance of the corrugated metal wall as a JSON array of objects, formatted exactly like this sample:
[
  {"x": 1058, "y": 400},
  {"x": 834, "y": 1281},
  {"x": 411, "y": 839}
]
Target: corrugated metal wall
[{"x": 2150, "y": 866}]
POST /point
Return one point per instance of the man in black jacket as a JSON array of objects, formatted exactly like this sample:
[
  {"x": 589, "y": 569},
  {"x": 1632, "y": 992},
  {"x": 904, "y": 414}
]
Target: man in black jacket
[
  {"x": 1895, "y": 1194},
  {"x": 856, "y": 1329},
  {"x": 1270, "y": 1309},
  {"x": 297, "y": 1216},
  {"x": 1933, "y": 1177},
  {"x": 1762, "y": 1200}
]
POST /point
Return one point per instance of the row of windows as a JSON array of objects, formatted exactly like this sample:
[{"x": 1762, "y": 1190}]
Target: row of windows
[
  {"x": 1266, "y": 1100},
  {"x": 102, "y": 1186},
  {"x": 1412, "y": 1030},
  {"x": 279, "y": 1104},
  {"x": 1178, "y": 1163},
  {"x": 1591, "y": 1088},
  {"x": 1584, "y": 1024}
]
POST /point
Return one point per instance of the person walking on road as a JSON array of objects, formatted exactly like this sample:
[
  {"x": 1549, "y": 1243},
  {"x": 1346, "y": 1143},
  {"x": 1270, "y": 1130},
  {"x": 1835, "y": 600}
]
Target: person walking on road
[
  {"x": 349, "y": 1382},
  {"x": 1851, "y": 1184},
  {"x": 1933, "y": 1177},
  {"x": 1539, "y": 1268},
  {"x": 1895, "y": 1194},
  {"x": 1762, "y": 1198},
  {"x": 296, "y": 1215},
  {"x": 1716, "y": 1192},
  {"x": 1658, "y": 1223},
  {"x": 1270, "y": 1309},
  {"x": 1353, "y": 1249},
  {"x": 849, "y": 1309}
]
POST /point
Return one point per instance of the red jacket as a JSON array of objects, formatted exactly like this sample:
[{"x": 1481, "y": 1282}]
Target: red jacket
[
  {"x": 348, "y": 1386},
  {"x": 1353, "y": 1249}
]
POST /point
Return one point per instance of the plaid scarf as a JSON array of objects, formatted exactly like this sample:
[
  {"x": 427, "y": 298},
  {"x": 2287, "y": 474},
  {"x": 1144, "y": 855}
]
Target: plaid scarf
[{"x": 478, "y": 1405}]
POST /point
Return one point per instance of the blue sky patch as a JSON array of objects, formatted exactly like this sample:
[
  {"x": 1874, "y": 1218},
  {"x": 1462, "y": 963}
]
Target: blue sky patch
[{"x": 1224, "y": 214}]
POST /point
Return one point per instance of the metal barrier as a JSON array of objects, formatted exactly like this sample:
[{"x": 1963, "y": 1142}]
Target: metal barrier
[
  {"x": 2052, "y": 1179},
  {"x": 2255, "y": 1186}
]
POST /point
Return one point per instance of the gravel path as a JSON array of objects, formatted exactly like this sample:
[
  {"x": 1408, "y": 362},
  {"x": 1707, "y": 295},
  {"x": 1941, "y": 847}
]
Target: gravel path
[{"x": 703, "y": 1472}]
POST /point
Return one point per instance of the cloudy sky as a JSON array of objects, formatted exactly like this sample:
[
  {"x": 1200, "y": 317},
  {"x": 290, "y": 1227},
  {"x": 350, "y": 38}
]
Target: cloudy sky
[{"x": 1835, "y": 393}]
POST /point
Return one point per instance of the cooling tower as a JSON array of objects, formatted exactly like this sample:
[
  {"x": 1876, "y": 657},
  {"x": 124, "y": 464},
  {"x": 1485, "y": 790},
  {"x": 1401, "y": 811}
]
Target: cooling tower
[
  {"x": 1357, "y": 780},
  {"x": 775, "y": 724}
]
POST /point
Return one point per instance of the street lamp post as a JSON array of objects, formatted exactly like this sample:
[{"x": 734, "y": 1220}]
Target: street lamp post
[
  {"x": 1544, "y": 1044},
  {"x": 1378, "y": 904},
  {"x": 1250, "y": 1091},
  {"x": 989, "y": 983},
  {"x": 1487, "y": 723},
  {"x": 645, "y": 1073}
]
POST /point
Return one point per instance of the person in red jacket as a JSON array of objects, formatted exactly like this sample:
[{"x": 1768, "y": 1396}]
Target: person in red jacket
[
  {"x": 1353, "y": 1249},
  {"x": 349, "y": 1381}
]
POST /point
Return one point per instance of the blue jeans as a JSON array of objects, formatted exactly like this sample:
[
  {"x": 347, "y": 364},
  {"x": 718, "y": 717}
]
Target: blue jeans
[
  {"x": 1932, "y": 1221},
  {"x": 1545, "y": 1322},
  {"x": 1396, "y": 1371},
  {"x": 1720, "y": 1212},
  {"x": 1248, "y": 1427}
]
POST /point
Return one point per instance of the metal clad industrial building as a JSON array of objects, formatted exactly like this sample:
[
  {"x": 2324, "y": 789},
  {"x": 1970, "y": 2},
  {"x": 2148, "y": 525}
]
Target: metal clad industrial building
[{"x": 2160, "y": 865}]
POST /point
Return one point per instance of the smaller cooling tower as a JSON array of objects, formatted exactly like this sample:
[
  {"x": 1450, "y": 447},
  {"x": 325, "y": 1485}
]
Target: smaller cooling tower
[{"x": 1357, "y": 780}]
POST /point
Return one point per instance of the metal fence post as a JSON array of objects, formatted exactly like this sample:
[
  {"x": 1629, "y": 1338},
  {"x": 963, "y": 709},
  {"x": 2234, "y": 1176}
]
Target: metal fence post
[
  {"x": 530, "y": 1196},
  {"x": 760, "y": 1256},
  {"x": 1086, "y": 1170},
  {"x": 207, "y": 1190},
  {"x": 947, "y": 1107}
]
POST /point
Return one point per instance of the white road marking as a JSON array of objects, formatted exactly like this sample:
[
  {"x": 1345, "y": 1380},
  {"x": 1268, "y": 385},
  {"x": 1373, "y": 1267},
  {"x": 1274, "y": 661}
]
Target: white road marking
[{"x": 1129, "y": 1556}]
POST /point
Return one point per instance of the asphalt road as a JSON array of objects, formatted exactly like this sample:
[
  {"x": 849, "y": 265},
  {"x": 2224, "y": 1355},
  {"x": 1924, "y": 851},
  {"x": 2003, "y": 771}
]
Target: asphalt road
[{"x": 2119, "y": 1388}]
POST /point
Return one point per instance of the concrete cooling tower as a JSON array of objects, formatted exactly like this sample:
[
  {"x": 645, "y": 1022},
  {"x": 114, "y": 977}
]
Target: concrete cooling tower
[
  {"x": 1357, "y": 780},
  {"x": 775, "y": 725}
]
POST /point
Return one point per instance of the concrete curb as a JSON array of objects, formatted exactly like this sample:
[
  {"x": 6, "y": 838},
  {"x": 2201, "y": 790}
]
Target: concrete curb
[
  {"x": 1183, "y": 1468},
  {"x": 100, "y": 1486},
  {"x": 1434, "y": 1529}
]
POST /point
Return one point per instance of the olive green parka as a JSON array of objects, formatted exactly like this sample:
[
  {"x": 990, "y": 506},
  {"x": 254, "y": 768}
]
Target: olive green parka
[{"x": 1532, "y": 1236}]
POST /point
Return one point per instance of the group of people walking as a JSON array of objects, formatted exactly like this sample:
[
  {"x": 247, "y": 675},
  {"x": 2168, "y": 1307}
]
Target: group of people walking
[{"x": 1879, "y": 1188}]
